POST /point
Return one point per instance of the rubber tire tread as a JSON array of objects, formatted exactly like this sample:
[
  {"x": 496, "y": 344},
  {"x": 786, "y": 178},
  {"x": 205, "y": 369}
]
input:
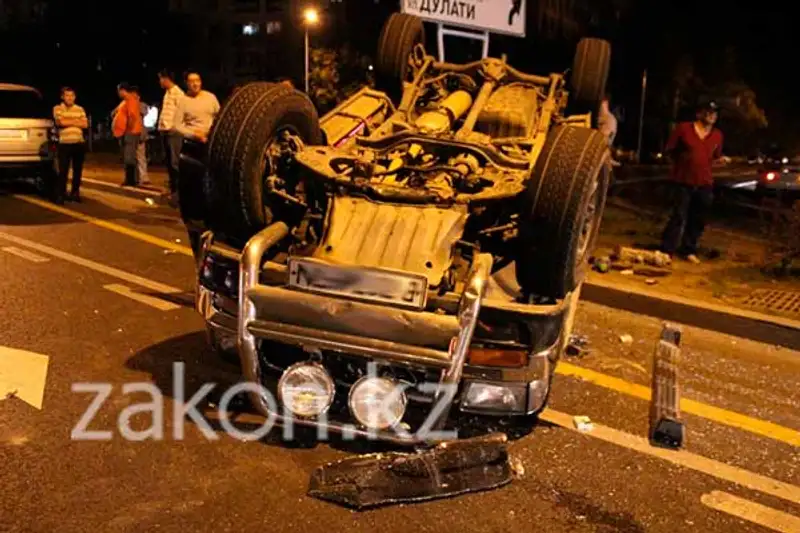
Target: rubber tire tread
[
  {"x": 400, "y": 33},
  {"x": 236, "y": 147},
  {"x": 553, "y": 208},
  {"x": 590, "y": 69}
]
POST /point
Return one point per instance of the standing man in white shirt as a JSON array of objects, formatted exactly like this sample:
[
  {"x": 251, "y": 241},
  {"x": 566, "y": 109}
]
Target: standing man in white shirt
[
  {"x": 71, "y": 120},
  {"x": 196, "y": 111},
  {"x": 171, "y": 139},
  {"x": 193, "y": 119}
]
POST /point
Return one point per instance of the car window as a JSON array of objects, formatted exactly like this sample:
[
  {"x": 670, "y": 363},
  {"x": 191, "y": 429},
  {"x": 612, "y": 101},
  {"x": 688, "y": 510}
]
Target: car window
[{"x": 23, "y": 104}]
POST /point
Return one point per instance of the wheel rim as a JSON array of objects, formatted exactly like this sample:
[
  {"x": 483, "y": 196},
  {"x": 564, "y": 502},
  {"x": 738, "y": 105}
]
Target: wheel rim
[
  {"x": 274, "y": 151},
  {"x": 590, "y": 222},
  {"x": 272, "y": 159}
]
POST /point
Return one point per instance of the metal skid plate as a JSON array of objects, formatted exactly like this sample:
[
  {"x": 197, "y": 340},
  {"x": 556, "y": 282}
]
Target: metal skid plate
[
  {"x": 411, "y": 238},
  {"x": 449, "y": 469}
]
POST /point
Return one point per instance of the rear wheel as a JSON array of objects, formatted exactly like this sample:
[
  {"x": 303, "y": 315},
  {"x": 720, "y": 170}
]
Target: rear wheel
[
  {"x": 562, "y": 210},
  {"x": 254, "y": 131},
  {"x": 589, "y": 74},
  {"x": 400, "y": 35}
]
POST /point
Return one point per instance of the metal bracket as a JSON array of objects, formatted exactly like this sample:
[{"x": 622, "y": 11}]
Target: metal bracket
[
  {"x": 666, "y": 426},
  {"x": 441, "y": 31}
]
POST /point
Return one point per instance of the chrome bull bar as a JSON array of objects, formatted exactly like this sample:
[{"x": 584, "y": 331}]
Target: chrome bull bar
[{"x": 250, "y": 328}]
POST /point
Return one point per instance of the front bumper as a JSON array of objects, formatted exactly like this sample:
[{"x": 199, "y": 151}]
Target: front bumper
[{"x": 428, "y": 344}]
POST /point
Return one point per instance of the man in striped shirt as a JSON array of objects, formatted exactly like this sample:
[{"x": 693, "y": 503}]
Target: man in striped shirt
[
  {"x": 166, "y": 127},
  {"x": 71, "y": 120}
]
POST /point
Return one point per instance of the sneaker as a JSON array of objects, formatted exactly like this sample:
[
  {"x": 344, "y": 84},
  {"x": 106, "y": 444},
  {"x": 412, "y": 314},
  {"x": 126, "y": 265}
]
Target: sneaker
[{"x": 692, "y": 258}]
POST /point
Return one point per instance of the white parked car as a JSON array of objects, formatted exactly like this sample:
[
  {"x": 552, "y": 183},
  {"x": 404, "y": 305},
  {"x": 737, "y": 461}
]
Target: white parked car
[{"x": 27, "y": 141}]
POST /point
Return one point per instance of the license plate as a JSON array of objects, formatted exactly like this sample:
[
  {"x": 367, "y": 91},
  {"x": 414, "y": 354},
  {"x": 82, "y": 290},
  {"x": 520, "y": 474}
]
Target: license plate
[
  {"x": 15, "y": 135},
  {"x": 359, "y": 283}
]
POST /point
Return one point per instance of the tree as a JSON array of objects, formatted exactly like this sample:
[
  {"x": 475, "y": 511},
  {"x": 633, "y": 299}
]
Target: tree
[{"x": 336, "y": 74}]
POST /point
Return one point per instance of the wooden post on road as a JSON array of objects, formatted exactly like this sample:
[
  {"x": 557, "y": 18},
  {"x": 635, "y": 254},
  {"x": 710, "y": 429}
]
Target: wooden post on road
[{"x": 666, "y": 426}]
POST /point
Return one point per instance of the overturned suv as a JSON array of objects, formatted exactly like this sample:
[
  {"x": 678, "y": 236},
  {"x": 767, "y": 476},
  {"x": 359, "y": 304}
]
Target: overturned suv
[{"x": 413, "y": 259}]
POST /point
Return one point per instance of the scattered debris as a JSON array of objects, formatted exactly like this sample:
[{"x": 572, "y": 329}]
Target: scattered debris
[
  {"x": 602, "y": 264},
  {"x": 628, "y": 272},
  {"x": 583, "y": 423},
  {"x": 577, "y": 346},
  {"x": 626, "y": 339},
  {"x": 149, "y": 201},
  {"x": 517, "y": 468},
  {"x": 651, "y": 281},
  {"x": 651, "y": 272},
  {"x": 448, "y": 469},
  {"x": 636, "y": 255}
]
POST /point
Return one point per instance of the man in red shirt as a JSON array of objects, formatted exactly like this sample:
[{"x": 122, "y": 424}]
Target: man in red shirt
[{"x": 693, "y": 148}]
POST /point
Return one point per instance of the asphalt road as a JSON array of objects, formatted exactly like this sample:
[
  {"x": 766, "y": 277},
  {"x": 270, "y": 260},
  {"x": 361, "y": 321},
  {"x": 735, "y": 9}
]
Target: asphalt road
[{"x": 107, "y": 298}]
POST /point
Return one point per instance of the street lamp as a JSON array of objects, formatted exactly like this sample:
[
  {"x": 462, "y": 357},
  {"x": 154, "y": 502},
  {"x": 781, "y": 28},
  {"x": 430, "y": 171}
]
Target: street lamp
[{"x": 310, "y": 18}]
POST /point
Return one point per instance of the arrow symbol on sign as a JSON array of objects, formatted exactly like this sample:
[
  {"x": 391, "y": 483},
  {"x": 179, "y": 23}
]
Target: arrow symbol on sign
[{"x": 23, "y": 375}]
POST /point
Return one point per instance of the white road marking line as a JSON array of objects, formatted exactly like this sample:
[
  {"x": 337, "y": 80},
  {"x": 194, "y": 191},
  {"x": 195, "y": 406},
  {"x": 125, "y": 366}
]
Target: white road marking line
[
  {"x": 23, "y": 375},
  {"x": 751, "y": 511},
  {"x": 717, "y": 469},
  {"x": 158, "y": 303},
  {"x": 25, "y": 254},
  {"x": 97, "y": 267}
]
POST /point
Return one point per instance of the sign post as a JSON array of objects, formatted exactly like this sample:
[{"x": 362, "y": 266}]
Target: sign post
[{"x": 476, "y": 19}]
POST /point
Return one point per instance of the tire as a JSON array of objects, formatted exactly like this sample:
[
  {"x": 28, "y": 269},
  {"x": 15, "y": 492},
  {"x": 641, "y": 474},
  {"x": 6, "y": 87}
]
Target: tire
[
  {"x": 590, "y": 73},
  {"x": 246, "y": 126},
  {"x": 400, "y": 34},
  {"x": 561, "y": 211}
]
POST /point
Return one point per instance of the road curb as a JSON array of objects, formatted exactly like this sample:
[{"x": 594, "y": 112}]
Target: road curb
[
  {"x": 141, "y": 193},
  {"x": 721, "y": 318}
]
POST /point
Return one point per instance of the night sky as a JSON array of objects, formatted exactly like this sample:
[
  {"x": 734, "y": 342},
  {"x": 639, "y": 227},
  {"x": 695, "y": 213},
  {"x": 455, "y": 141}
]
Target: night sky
[{"x": 92, "y": 45}]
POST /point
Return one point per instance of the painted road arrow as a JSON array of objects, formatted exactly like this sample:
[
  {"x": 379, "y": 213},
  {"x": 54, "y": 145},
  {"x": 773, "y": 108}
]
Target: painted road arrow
[{"x": 23, "y": 375}]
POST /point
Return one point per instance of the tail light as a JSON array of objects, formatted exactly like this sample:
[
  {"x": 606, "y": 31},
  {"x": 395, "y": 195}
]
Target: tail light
[{"x": 771, "y": 176}]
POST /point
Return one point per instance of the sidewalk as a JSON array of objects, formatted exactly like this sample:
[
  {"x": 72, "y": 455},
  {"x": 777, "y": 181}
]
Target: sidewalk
[
  {"x": 732, "y": 272},
  {"x": 104, "y": 172}
]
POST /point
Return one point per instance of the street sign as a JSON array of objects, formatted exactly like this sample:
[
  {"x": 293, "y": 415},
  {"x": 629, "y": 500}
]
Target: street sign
[{"x": 494, "y": 16}]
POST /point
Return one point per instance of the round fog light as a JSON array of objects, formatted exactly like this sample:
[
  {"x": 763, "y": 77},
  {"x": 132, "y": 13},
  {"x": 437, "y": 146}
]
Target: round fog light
[
  {"x": 306, "y": 390},
  {"x": 377, "y": 403}
]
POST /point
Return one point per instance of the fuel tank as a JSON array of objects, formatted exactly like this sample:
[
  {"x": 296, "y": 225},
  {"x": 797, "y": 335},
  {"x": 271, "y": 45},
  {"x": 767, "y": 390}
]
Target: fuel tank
[{"x": 442, "y": 118}]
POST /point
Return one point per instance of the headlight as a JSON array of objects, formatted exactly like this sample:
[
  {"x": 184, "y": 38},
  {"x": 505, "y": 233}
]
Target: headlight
[
  {"x": 306, "y": 390},
  {"x": 494, "y": 398},
  {"x": 377, "y": 403}
]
